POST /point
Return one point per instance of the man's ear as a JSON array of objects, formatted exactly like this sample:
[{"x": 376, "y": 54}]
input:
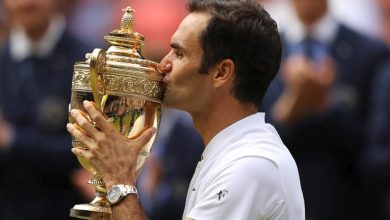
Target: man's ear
[{"x": 223, "y": 72}]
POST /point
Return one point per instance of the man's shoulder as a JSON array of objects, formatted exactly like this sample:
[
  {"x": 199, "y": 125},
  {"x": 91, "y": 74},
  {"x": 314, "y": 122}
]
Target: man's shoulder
[
  {"x": 262, "y": 150},
  {"x": 360, "y": 41},
  {"x": 263, "y": 141}
]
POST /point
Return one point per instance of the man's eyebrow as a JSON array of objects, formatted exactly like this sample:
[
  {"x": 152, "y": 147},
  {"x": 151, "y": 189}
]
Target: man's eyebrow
[{"x": 176, "y": 46}]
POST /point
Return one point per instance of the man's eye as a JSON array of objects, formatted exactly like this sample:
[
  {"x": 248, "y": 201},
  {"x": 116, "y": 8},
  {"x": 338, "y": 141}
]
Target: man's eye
[{"x": 178, "y": 54}]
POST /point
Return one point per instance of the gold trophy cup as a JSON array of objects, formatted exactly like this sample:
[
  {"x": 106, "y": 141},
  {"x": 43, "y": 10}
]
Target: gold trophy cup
[{"x": 127, "y": 89}]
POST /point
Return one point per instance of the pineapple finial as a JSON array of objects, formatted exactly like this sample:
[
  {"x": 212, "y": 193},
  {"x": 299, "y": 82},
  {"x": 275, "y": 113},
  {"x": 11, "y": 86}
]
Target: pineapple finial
[{"x": 127, "y": 21}]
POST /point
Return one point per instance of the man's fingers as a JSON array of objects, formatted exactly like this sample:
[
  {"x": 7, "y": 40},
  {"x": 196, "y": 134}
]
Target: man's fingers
[
  {"x": 327, "y": 72},
  {"x": 97, "y": 117},
  {"x": 83, "y": 153},
  {"x": 84, "y": 123},
  {"x": 80, "y": 135}
]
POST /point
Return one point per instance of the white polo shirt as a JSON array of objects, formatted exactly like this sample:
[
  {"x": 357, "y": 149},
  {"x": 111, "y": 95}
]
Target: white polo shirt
[{"x": 246, "y": 173}]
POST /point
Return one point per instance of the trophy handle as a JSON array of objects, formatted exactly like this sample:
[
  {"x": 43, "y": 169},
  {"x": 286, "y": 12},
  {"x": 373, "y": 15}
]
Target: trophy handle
[{"x": 97, "y": 63}]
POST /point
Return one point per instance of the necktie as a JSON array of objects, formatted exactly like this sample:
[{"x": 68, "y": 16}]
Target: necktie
[
  {"x": 27, "y": 88},
  {"x": 26, "y": 69},
  {"x": 314, "y": 50},
  {"x": 309, "y": 48}
]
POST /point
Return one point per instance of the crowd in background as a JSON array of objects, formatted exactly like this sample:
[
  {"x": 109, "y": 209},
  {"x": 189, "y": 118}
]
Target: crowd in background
[{"x": 330, "y": 103}]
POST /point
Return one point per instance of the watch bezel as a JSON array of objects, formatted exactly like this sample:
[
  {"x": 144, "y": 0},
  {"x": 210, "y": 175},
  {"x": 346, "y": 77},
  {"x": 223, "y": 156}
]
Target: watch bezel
[{"x": 117, "y": 192}]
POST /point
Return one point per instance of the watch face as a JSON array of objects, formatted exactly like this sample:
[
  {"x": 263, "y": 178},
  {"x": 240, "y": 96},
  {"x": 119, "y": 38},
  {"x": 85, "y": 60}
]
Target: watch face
[{"x": 114, "y": 194}]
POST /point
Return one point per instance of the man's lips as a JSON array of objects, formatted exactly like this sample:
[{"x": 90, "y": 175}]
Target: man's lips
[{"x": 165, "y": 79}]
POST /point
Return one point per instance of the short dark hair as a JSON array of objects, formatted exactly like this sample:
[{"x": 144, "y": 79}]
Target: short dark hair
[{"x": 240, "y": 30}]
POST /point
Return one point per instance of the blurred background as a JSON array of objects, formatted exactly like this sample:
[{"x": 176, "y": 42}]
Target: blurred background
[{"x": 339, "y": 136}]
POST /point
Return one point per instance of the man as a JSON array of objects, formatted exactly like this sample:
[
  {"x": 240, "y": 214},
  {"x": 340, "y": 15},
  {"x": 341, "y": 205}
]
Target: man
[
  {"x": 224, "y": 55},
  {"x": 35, "y": 80},
  {"x": 319, "y": 104}
]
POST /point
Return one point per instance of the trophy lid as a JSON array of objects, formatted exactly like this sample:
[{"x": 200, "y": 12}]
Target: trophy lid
[
  {"x": 126, "y": 36},
  {"x": 121, "y": 70}
]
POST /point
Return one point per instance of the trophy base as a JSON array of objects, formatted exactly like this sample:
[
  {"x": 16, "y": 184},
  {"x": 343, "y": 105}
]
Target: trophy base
[{"x": 93, "y": 212}]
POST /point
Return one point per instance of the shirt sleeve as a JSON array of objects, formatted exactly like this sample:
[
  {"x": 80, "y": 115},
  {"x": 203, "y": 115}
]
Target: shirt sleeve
[{"x": 249, "y": 188}]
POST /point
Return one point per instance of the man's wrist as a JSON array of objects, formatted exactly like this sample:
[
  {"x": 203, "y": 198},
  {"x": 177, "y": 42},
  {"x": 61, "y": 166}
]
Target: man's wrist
[{"x": 126, "y": 179}]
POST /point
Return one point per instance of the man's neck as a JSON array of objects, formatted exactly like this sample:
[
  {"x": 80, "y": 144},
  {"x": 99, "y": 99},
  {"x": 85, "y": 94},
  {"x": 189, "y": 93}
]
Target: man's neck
[{"x": 220, "y": 116}]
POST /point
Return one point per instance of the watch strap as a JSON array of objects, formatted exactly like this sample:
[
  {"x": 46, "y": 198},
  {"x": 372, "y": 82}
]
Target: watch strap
[{"x": 129, "y": 189}]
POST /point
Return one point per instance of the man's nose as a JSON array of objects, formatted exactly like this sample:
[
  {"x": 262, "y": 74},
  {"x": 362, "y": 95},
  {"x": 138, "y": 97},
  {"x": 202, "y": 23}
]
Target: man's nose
[{"x": 165, "y": 66}]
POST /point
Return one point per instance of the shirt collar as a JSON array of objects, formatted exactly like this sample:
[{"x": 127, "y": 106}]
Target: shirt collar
[
  {"x": 21, "y": 47},
  {"x": 324, "y": 30},
  {"x": 216, "y": 144}
]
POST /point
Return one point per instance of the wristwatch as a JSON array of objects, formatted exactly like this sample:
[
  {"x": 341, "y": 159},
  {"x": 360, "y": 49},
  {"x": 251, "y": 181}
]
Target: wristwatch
[{"x": 118, "y": 192}]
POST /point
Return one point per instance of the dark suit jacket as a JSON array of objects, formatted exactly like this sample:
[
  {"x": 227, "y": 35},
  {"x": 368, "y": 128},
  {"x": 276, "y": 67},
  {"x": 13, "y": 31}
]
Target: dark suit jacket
[
  {"x": 181, "y": 152},
  {"x": 326, "y": 146},
  {"x": 376, "y": 158},
  {"x": 35, "y": 170}
]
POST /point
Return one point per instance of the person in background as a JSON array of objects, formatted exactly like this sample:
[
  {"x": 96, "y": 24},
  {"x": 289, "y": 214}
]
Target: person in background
[
  {"x": 167, "y": 174},
  {"x": 36, "y": 66},
  {"x": 376, "y": 157},
  {"x": 320, "y": 105}
]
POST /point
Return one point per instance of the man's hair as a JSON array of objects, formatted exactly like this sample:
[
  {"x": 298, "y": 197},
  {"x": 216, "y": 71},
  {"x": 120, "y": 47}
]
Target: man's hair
[{"x": 240, "y": 30}]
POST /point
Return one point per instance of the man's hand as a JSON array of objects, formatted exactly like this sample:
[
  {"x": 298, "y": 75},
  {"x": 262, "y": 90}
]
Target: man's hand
[
  {"x": 114, "y": 156},
  {"x": 308, "y": 81},
  {"x": 307, "y": 88}
]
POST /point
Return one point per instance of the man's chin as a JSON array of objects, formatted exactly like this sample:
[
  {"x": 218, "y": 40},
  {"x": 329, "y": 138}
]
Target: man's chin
[
  {"x": 167, "y": 103},
  {"x": 170, "y": 103}
]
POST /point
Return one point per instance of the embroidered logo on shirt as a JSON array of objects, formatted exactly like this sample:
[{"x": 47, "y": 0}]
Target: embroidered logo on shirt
[{"x": 222, "y": 194}]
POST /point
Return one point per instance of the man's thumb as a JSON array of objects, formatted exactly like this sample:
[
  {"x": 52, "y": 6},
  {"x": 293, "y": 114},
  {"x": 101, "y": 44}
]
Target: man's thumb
[{"x": 145, "y": 137}]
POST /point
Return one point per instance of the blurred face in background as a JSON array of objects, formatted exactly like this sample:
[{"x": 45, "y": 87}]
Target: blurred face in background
[
  {"x": 384, "y": 7},
  {"x": 32, "y": 15},
  {"x": 310, "y": 11}
]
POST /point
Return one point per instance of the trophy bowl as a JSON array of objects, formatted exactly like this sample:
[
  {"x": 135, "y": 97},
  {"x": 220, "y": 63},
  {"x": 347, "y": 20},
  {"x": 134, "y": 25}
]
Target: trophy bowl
[{"x": 128, "y": 90}]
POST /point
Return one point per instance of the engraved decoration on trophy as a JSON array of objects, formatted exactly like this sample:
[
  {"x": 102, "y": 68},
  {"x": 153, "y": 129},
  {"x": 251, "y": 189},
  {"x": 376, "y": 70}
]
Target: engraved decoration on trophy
[{"x": 128, "y": 89}]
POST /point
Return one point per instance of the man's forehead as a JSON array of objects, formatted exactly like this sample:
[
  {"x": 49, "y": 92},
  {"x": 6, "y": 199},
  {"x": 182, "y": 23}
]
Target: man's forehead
[{"x": 191, "y": 27}]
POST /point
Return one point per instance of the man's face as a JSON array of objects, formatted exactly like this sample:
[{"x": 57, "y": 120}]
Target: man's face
[
  {"x": 30, "y": 14},
  {"x": 310, "y": 10},
  {"x": 186, "y": 89}
]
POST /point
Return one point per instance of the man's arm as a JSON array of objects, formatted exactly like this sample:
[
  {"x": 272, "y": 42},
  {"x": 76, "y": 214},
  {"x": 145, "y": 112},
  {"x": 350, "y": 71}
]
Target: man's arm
[
  {"x": 129, "y": 208},
  {"x": 114, "y": 156}
]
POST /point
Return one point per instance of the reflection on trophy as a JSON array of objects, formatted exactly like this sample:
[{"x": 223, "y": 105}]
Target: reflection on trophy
[{"x": 127, "y": 89}]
